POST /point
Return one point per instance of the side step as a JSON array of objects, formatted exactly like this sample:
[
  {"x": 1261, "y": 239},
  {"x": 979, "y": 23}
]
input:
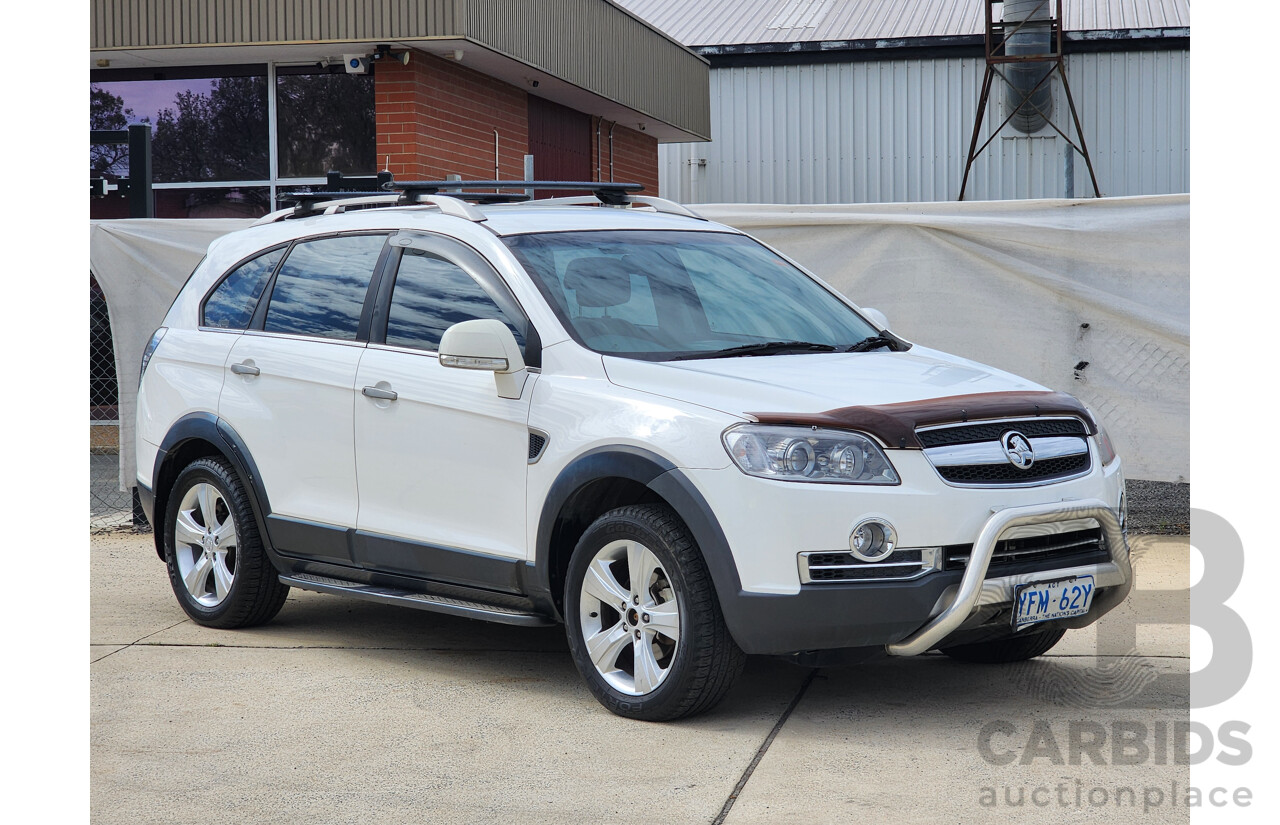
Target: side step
[{"x": 421, "y": 601}]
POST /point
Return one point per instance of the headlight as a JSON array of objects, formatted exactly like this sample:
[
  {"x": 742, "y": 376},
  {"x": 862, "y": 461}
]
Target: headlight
[
  {"x": 1106, "y": 452},
  {"x": 808, "y": 454}
]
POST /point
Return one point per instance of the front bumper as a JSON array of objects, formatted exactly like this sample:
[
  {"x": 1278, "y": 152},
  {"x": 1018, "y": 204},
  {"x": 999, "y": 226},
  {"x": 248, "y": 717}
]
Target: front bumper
[
  {"x": 1113, "y": 579},
  {"x": 910, "y": 617}
]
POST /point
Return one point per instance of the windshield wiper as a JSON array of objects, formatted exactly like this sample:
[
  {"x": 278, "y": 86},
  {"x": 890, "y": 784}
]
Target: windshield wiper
[
  {"x": 873, "y": 342},
  {"x": 766, "y": 348}
]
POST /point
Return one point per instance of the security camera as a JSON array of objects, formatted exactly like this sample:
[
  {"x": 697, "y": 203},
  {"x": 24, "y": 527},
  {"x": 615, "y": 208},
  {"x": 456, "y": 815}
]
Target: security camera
[
  {"x": 383, "y": 52},
  {"x": 356, "y": 63}
]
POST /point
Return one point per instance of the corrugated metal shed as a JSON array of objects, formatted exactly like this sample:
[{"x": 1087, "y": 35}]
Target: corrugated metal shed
[
  {"x": 898, "y": 130},
  {"x": 725, "y": 22}
]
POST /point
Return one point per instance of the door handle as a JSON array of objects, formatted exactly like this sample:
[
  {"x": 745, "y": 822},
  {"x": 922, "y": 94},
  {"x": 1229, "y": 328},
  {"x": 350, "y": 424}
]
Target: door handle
[
  {"x": 378, "y": 392},
  {"x": 245, "y": 369}
]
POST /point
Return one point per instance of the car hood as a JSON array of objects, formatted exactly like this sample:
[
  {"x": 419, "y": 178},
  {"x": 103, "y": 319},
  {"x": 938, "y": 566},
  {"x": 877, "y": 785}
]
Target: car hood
[{"x": 813, "y": 382}]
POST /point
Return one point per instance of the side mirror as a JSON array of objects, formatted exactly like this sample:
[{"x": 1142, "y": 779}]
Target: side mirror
[
  {"x": 485, "y": 344},
  {"x": 876, "y": 317}
]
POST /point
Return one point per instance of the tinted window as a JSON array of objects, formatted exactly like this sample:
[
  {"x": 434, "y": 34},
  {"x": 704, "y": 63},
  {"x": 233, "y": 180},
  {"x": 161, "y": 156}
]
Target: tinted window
[
  {"x": 321, "y": 287},
  {"x": 431, "y": 295},
  {"x": 231, "y": 305}
]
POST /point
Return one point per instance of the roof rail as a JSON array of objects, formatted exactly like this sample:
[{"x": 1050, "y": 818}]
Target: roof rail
[
  {"x": 658, "y": 204},
  {"x": 328, "y": 203}
]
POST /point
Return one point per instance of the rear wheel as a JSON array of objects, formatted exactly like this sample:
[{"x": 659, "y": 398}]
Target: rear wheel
[
  {"x": 217, "y": 565},
  {"x": 644, "y": 624},
  {"x": 1003, "y": 651}
]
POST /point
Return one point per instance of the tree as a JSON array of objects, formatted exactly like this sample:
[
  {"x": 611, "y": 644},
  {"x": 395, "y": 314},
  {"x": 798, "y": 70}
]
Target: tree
[{"x": 108, "y": 112}]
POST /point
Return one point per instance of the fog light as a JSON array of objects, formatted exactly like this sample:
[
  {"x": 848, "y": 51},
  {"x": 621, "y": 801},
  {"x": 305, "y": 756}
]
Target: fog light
[{"x": 872, "y": 540}]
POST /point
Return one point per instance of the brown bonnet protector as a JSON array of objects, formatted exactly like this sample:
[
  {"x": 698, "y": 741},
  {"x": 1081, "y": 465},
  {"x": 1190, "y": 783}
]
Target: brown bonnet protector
[{"x": 895, "y": 424}]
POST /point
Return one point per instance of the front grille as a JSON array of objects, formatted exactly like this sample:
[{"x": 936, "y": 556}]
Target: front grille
[
  {"x": 844, "y": 567},
  {"x": 969, "y": 433},
  {"x": 1043, "y": 470},
  {"x": 982, "y": 453},
  {"x": 1080, "y": 546}
]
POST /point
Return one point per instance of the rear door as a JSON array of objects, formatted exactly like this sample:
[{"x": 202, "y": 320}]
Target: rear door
[
  {"x": 289, "y": 390},
  {"x": 440, "y": 458}
]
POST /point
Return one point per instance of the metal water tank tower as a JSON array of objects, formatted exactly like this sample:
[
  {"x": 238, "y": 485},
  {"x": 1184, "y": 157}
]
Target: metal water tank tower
[{"x": 1024, "y": 48}]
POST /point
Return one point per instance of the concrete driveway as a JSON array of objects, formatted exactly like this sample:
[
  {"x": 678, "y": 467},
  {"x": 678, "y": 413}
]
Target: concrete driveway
[{"x": 341, "y": 711}]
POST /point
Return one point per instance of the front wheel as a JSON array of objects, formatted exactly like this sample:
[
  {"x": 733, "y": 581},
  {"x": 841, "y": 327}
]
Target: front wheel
[
  {"x": 217, "y": 564},
  {"x": 644, "y": 625}
]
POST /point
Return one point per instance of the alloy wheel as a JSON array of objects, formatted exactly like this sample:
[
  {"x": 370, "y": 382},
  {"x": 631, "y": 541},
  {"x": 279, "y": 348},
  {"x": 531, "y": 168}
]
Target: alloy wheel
[
  {"x": 629, "y": 617},
  {"x": 205, "y": 544}
]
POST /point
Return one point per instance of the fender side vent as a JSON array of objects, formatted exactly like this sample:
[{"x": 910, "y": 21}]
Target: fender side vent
[{"x": 537, "y": 443}]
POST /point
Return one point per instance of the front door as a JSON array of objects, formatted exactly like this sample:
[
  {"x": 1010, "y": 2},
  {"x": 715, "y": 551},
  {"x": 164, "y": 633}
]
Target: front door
[{"x": 441, "y": 459}]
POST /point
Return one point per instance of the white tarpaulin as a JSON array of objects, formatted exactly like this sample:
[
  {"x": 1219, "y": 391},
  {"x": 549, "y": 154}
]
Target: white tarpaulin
[
  {"x": 140, "y": 265},
  {"x": 1087, "y": 296}
]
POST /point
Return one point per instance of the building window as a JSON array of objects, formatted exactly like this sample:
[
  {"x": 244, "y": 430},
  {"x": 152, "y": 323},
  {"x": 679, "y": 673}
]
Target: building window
[
  {"x": 211, "y": 126},
  {"x": 324, "y": 122}
]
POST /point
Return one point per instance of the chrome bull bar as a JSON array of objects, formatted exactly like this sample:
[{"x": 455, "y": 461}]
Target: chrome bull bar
[{"x": 969, "y": 595}]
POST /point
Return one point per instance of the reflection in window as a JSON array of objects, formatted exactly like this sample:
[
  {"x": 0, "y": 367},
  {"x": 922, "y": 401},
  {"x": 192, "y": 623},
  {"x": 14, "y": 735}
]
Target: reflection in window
[
  {"x": 325, "y": 122},
  {"x": 231, "y": 305},
  {"x": 202, "y": 129},
  {"x": 321, "y": 287},
  {"x": 431, "y": 295}
]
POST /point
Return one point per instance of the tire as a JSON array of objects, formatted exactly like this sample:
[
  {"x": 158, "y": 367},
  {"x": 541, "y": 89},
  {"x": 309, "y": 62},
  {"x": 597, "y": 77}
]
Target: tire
[
  {"x": 1004, "y": 651},
  {"x": 672, "y": 626},
  {"x": 217, "y": 565}
]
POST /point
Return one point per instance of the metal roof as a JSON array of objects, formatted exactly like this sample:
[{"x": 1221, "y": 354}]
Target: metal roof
[{"x": 733, "y": 22}]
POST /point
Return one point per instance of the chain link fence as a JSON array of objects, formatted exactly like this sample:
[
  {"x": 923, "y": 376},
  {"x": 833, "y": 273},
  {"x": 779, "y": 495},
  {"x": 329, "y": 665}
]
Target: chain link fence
[{"x": 109, "y": 506}]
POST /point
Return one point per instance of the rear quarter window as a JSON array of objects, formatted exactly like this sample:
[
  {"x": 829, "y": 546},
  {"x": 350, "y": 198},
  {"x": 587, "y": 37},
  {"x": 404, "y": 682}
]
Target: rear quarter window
[{"x": 231, "y": 303}]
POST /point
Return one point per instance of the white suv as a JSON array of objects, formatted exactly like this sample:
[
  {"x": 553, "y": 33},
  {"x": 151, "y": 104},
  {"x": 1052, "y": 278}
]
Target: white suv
[{"x": 608, "y": 412}]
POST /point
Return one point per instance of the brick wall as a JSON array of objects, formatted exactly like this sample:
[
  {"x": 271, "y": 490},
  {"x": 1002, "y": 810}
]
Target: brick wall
[
  {"x": 436, "y": 117},
  {"x": 635, "y": 155}
]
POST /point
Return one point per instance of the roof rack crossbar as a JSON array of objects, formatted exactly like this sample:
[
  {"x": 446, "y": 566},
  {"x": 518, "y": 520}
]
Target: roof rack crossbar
[
  {"x": 614, "y": 194},
  {"x": 448, "y": 196}
]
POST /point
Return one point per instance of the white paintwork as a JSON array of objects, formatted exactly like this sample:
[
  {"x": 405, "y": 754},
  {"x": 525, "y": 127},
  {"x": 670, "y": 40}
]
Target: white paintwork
[
  {"x": 184, "y": 375},
  {"x": 296, "y": 421},
  {"x": 445, "y": 462},
  {"x": 813, "y": 383}
]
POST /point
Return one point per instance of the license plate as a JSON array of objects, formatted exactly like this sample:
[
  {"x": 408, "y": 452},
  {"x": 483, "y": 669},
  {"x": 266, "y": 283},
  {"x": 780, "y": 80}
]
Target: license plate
[{"x": 1043, "y": 601}]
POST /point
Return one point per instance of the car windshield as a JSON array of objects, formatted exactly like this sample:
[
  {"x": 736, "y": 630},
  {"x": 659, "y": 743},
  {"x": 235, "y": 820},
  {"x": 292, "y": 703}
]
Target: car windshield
[{"x": 663, "y": 295}]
